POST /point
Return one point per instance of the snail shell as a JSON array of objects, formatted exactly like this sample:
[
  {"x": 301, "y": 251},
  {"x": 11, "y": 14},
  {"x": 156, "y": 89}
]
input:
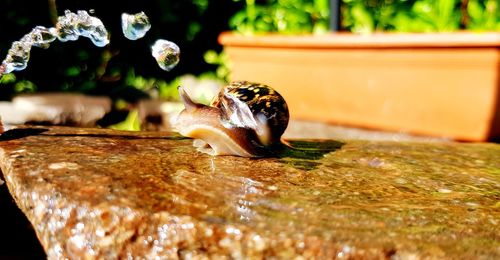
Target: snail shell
[{"x": 245, "y": 119}]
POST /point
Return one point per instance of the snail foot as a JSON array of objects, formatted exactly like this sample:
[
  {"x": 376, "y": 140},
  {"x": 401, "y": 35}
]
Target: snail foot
[{"x": 203, "y": 147}]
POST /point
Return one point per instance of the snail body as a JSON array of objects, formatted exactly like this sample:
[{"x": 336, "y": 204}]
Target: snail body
[{"x": 245, "y": 119}]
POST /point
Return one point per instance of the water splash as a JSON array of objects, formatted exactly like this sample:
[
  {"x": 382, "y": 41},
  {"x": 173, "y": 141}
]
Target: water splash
[
  {"x": 40, "y": 37},
  {"x": 69, "y": 27},
  {"x": 166, "y": 53},
  {"x": 19, "y": 53},
  {"x": 135, "y": 26},
  {"x": 65, "y": 28},
  {"x": 18, "y": 56}
]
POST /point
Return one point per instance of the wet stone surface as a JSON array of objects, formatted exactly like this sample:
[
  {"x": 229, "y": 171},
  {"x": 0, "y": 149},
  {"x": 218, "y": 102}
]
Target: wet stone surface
[{"x": 104, "y": 193}]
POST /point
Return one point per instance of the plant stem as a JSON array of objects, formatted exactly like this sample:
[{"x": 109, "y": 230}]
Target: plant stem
[
  {"x": 464, "y": 20},
  {"x": 53, "y": 11}
]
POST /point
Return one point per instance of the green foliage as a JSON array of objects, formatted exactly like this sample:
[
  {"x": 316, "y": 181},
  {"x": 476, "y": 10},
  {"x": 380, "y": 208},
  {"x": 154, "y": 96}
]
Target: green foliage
[
  {"x": 19, "y": 86},
  {"x": 8, "y": 78},
  {"x": 221, "y": 60},
  {"x": 24, "y": 86},
  {"x": 131, "y": 123},
  {"x": 358, "y": 17},
  {"x": 419, "y": 15},
  {"x": 366, "y": 16},
  {"x": 484, "y": 15},
  {"x": 153, "y": 86},
  {"x": 283, "y": 16},
  {"x": 430, "y": 16}
]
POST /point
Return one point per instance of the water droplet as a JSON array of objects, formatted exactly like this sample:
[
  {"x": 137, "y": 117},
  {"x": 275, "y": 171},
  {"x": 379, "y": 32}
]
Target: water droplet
[
  {"x": 99, "y": 35},
  {"x": 472, "y": 204},
  {"x": 135, "y": 26},
  {"x": 84, "y": 23},
  {"x": 93, "y": 28},
  {"x": 272, "y": 187},
  {"x": 71, "y": 26},
  {"x": 166, "y": 53},
  {"x": 443, "y": 190},
  {"x": 64, "y": 165},
  {"x": 401, "y": 181},
  {"x": 65, "y": 27},
  {"x": 18, "y": 56},
  {"x": 42, "y": 37}
]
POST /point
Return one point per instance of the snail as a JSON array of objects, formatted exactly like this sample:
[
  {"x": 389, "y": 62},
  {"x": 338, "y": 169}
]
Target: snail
[{"x": 245, "y": 119}]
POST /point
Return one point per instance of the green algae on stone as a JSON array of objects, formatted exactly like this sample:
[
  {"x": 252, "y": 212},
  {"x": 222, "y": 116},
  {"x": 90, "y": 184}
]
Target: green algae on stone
[{"x": 104, "y": 193}]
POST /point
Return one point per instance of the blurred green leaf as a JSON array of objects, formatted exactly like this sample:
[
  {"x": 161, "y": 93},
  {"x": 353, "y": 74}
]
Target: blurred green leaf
[
  {"x": 211, "y": 57},
  {"x": 73, "y": 71},
  {"x": 164, "y": 90},
  {"x": 475, "y": 10},
  {"x": 87, "y": 86},
  {"x": 221, "y": 60},
  {"x": 364, "y": 22},
  {"x": 24, "y": 86},
  {"x": 201, "y": 4},
  {"x": 131, "y": 123},
  {"x": 83, "y": 55},
  {"x": 8, "y": 78},
  {"x": 193, "y": 29},
  {"x": 484, "y": 15},
  {"x": 168, "y": 91}
]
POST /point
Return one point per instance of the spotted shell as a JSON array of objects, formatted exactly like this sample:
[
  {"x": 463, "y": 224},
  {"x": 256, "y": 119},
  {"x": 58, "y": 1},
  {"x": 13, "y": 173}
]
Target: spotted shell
[{"x": 255, "y": 106}]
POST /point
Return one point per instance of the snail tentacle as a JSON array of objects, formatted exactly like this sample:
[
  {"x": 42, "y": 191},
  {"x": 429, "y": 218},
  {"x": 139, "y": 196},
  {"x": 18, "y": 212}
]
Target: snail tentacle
[{"x": 189, "y": 104}]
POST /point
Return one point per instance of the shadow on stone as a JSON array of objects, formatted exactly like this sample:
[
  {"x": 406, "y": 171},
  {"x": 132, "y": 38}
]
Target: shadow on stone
[
  {"x": 18, "y": 133},
  {"x": 18, "y": 239},
  {"x": 304, "y": 154},
  {"x": 168, "y": 136}
]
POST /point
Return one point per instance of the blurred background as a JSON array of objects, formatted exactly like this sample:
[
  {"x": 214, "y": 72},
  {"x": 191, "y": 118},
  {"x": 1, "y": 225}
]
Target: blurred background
[{"x": 126, "y": 72}]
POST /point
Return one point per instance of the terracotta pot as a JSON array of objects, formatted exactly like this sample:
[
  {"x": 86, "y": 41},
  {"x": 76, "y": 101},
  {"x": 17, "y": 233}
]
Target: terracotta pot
[{"x": 444, "y": 84}]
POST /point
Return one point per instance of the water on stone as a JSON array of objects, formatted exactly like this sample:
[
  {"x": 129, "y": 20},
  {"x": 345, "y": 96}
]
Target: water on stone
[
  {"x": 166, "y": 53},
  {"x": 109, "y": 194},
  {"x": 135, "y": 26}
]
